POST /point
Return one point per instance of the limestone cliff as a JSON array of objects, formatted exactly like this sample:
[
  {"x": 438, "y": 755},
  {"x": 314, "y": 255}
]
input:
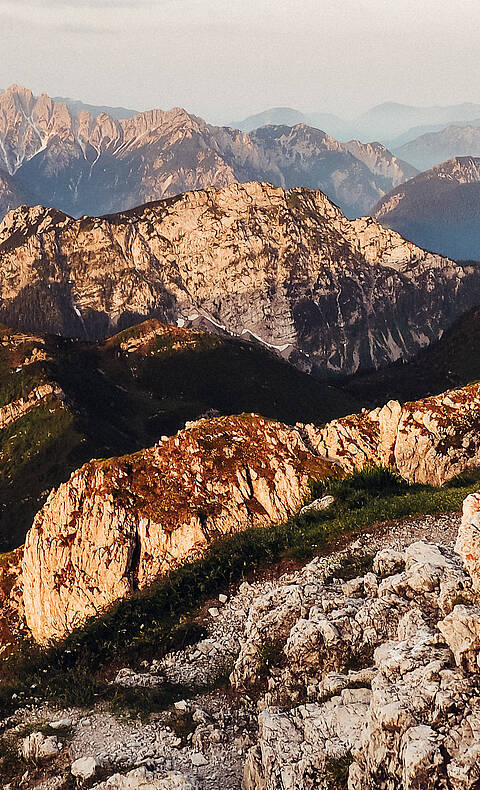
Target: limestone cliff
[
  {"x": 425, "y": 441},
  {"x": 283, "y": 268},
  {"x": 116, "y": 525}
]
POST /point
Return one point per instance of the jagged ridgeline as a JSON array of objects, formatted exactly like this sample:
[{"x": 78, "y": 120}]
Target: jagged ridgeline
[
  {"x": 94, "y": 164},
  {"x": 63, "y": 401},
  {"x": 283, "y": 268}
]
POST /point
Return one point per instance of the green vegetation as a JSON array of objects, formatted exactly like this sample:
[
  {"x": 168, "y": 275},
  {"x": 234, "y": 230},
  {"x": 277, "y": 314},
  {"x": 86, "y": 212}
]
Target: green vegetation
[
  {"x": 270, "y": 655},
  {"x": 36, "y": 452},
  {"x": 336, "y": 771},
  {"x": 155, "y": 620},
  {"x": 352, "y": 566}
]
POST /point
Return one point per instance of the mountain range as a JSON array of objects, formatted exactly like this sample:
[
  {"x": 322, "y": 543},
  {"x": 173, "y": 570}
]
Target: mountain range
[
  {"x": 282, "y": 268},
  {"x": 83, "y": 164},
  {"x": 391, "y": 123},
  {"x": 438, "y": 209}
]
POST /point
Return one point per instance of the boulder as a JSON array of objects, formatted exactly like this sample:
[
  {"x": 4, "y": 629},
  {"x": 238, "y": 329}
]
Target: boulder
[
  {"x": 461, "y": 631},
  {"x": 37, "y": 746},
  {"x": 84, "y": 768},
  {"x": 141, "y": 779}
]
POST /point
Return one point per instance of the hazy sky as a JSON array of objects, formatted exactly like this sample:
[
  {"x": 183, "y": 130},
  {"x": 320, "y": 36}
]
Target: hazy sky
[{"x": 224, "y": 59}]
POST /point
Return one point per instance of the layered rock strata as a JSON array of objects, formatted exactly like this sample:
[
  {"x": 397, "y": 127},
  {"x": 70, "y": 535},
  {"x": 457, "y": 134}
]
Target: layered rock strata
[{"x": 16, "y": 409}]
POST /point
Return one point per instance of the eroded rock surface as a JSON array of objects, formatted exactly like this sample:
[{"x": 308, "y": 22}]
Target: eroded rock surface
[
  {"x": 425, "y": 441},
  {"x": 386, "y": 666},
  {"x": 468, "y": 541}
]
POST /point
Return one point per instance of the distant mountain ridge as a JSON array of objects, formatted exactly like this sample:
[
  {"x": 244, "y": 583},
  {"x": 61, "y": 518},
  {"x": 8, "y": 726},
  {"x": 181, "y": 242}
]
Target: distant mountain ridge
[
  {"x": 389, "y": 120},
  {"x": 76, "y": 106},
  {"x": 438, "y": 209},
  {"x": 87, "y": 165},
  {"x": 390, "y": 123},
  {"x": 287, "y": 116},
  {"x": 438, "y": 146}
]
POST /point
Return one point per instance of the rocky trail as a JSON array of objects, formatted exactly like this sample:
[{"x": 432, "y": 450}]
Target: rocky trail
[{"x": 205, "y": 740}]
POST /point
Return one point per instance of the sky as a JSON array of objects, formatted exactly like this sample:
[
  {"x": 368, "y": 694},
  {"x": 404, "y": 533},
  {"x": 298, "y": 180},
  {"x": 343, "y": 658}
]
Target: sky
[{"x": 226, "y": 59}]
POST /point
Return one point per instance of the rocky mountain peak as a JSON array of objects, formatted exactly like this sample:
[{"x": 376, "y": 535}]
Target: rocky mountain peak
[
  {"x": 283, "y": 268},
  {"x": 439, "y": 208},
  {"x": 22, "y": 222},
  {"x": 465, "y": 169}
]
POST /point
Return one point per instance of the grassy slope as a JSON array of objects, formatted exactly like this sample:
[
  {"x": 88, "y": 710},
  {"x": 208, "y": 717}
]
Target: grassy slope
[{"x": 119, "y": 402}]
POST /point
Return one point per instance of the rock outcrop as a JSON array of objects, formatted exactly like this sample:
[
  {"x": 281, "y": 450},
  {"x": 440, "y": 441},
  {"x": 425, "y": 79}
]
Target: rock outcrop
[
  {"x": 425, "y": 441},
  {"x": 118, "y": 524},
  {"x": 63, "y": 402},
  {"x": 19, "y": 408},
  {"x": 281, "y": 268},
  {"x": 385, "y": 667},
  {"x": 85, "y": 163}
]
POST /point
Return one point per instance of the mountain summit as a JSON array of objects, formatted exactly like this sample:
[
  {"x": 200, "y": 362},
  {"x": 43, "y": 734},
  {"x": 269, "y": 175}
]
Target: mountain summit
[
  {"x": 282, "y": 268},
  {"x": 438, "y": 209}
]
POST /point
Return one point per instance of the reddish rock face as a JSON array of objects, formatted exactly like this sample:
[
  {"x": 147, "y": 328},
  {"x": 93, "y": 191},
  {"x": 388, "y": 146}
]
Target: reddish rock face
[{"x": 116, "y": 525}]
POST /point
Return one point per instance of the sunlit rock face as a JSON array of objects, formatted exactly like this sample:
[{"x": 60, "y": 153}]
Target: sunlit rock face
[
  {"x": 283, "y": 268},
  {"x": 425, "y": 441},
  {"x": 117, "y": 525}
]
